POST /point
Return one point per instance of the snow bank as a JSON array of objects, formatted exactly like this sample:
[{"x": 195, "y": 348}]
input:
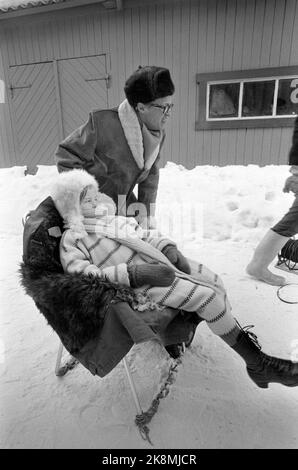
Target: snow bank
[{"x": 217, "y": 215}]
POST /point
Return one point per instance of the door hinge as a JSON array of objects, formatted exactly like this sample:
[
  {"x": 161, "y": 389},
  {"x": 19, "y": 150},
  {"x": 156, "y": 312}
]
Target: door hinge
[
  {"x": 12, "y": 88},
  {"x": 107, "y": 78}
]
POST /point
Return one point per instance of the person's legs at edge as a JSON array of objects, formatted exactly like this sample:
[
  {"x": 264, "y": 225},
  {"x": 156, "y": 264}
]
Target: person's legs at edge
[{"x": 270, "y": 246}]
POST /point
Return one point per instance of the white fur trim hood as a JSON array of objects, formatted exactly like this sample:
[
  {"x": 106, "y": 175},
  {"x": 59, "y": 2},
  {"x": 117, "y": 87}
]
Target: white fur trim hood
[{"x": 65, "y": 193}]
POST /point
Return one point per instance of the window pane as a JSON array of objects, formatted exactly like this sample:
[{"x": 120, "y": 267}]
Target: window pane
[
  {"x": 258, "y": 98},
  {"x": 287, "y": 98},
  {"x": 223, "y": 100}
]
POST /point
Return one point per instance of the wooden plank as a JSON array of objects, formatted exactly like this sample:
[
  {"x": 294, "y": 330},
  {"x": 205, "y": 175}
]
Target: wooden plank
[
  {"x": 160, "y": 35},
  {"x": 35, "y": 44},
  {"x": 201, "y": 61},
  {"x": 13, "y": 51},
  {"x": 202, "y": 37},
  {"x": 175, "y": 119},
  {"x": 5, "y": 158},
  {"x": 220, "y": 35},
  {"x": 211, "y": 26},
  {"x": 223, "y": 143},
  {"x": 75, "y": 37},
  {"x": 266, "y": 147},
  {"x": 83, "y": 32},
  {"x": 257, "y": 147},
  {"x": 207, "y": 135},
  {"x": 152, "y": 36},
  {"x": 257, "y": 33},
  {"x": 232, "y": 155},
  {"x": 275, "y": 146},
  {"x": 239, "y": 35},
  {"x": 144, "y": 46},
  {"x": 229, "y": 35},
  {"x": 287, "y": 34},
  {"x": 168, "y": 12},
  {"x": 136, "y": 42},
  {"x": 248, "y": 34},
  {"x": 90, "y": 35},
  {"x": 192, "y": 68},
  {"x": 268, "y": 32},
  {"x": 58, "y": 100},
  {"x": 121, "y": 54},
  {"x": 240, "y": 146},
  {"x": 184, "y": 85},
  {"x": 285, "y": 145},
  {"x": 279, "y": 13},
  {"x": 55, "y": 40},
  {"x": 215, "y": 153},
  {"x": 45, "y": 33},
  {"x": 9, "y": 132},
  {"x": 115, "y": 90},
  {"x": 294, "y": 48},
  {"x": 249, "y": 140},
  {"x": 97, "y": 34},
  {"x": 128, "y": 42}
]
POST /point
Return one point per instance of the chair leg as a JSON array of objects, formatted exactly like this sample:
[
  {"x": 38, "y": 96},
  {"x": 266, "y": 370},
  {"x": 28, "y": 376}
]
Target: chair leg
[
  {"x": 70, "y": 364},
  {"x": 58, "y": 360},
  {"x": 62, "y": 370},
  {"x": 132, "y": 387}
]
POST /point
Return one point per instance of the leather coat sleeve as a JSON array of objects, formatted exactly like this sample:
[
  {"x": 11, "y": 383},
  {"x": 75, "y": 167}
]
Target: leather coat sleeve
[
  {"x": 147, "y": 190},
  {"x": 78, "y": 149}
]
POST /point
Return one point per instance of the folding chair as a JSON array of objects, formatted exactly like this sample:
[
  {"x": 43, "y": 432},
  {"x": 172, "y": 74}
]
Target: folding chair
[
  {"x": 70, "y": 364},
  {"x": 61, "y": 370}
]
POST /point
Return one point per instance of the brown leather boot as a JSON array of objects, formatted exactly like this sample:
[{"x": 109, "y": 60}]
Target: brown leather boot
[{"x": 261, "y": 368}]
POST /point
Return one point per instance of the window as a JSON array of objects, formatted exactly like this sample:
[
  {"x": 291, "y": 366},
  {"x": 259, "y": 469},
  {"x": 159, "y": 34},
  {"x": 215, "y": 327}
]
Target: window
[{"x": 251, "y": 98}]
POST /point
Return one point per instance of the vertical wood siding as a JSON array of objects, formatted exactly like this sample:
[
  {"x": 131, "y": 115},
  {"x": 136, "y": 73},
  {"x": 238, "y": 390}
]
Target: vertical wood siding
[
  {"x": 188, "y": 37},
  {"x": 7, "y": 151}
]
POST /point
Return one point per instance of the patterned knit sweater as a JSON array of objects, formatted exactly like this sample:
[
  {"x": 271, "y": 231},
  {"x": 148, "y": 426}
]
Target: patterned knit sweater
[{"x": 104, "y": 256}]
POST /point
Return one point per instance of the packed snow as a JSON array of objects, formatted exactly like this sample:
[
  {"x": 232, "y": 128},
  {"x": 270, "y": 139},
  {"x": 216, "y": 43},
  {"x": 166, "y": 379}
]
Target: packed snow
[{"x": 217, "y": 215}]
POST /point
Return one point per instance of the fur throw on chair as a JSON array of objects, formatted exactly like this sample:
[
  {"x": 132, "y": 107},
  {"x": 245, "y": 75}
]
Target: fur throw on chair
[{"x": 74, "y": 305}]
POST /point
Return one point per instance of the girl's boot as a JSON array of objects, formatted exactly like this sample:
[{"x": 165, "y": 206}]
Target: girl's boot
[{"x": 261, "y": 368}]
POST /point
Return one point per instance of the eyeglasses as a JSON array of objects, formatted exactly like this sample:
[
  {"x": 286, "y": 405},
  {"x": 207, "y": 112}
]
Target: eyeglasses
[{"x": 166, "y": 108}]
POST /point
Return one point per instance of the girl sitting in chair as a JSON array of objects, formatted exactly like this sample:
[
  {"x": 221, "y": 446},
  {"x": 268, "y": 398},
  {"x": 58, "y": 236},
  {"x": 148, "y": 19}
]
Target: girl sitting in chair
[{"x": 99, "y": 243}]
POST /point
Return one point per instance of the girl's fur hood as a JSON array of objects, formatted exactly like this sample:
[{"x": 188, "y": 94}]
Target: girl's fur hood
[{"x": 66, "y": 192}]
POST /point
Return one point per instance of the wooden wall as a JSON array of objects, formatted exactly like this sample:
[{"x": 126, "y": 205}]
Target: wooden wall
[{"x": 187, "y": 36}]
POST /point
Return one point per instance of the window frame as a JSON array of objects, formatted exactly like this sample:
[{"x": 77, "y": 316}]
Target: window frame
[{"x": 204, "y": 80}]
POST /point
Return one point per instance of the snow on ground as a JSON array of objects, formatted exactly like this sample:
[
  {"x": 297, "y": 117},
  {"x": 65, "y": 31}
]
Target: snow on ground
[{"x": 217, "y": 215}]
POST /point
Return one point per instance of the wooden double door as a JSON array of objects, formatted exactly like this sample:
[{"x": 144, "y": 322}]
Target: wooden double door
[{"x": 50, "y": 100}]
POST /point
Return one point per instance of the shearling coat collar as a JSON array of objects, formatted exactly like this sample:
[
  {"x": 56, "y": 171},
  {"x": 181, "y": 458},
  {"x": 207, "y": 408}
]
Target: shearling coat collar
[{"x": 133, "y": 133}]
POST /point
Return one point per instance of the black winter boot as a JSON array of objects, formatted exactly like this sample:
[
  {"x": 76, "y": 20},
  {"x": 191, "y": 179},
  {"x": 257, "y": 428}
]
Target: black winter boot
[{"x": 263, "y": 369}]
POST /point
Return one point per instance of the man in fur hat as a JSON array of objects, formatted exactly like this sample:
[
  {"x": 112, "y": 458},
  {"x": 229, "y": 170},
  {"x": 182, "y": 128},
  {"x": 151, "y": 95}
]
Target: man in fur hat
[{"x": 121, "y": 146}]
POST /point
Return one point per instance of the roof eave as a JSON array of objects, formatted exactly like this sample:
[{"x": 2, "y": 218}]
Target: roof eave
[{"x": 33, "y": 10}]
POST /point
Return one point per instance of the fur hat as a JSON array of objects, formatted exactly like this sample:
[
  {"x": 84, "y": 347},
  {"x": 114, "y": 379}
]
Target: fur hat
[
  {"x": 147, "y": 84},
  {"x": 66, "y": 192}
]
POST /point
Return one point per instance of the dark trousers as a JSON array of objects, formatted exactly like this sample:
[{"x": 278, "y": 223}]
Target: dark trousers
[{"x": 288, "y": 225}]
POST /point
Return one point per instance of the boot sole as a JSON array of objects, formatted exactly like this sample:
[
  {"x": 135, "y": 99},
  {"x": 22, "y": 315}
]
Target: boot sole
[{"x": 266, "y": 385}]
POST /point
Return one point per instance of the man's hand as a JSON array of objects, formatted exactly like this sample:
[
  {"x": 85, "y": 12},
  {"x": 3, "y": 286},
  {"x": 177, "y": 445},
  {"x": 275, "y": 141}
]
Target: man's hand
[{"x": 291, "y": 184}]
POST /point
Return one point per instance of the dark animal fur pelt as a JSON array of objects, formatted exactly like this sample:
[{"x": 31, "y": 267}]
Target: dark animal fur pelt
[{"x": 74, "y": 305}]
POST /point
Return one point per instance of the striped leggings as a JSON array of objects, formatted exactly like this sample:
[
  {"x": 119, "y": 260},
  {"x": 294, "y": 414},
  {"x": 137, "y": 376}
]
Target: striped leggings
[{"x": 202, "y": 292}]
